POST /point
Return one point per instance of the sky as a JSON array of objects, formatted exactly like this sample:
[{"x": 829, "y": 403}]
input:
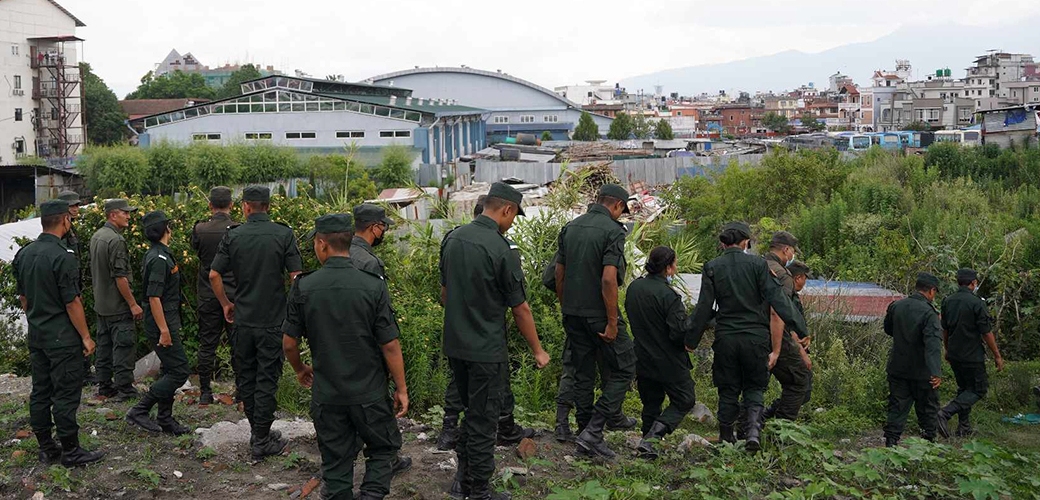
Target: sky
[{"x": 549, "y": 43}]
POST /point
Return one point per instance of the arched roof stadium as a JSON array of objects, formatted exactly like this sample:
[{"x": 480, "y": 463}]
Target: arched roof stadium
[{"x": 475, "y": 87}]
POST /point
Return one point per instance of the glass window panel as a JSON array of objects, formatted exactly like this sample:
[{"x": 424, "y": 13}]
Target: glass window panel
[
  {"x": 205, "y": 110},
  {"x": 256, "y": 98},
  {"x": 413, "y": 116},
  {"x": 293, "y": 84},
  {"x": 243, "y": 108},
  {"x": 177, "y": 116},
  {"x": 311, "y": 98},
  {"x": 218, "y": 109},
  {"x": 297, "y": 106},
  {"x": 325, "y": 105},
  {"x": 292, "y": 135},
  {"x": 270, "y": 96},
  {"x": 403, "y": 133},
  {"x": 312, "y": 106},
  {"x": 191, "y": 113},
  {"x": 164, "y": 118},
  {"x": 270, "y": 107},
  {"x": 265, "y": 135},
  {"x": 279, "y": 81},
  {"x": 284, "y": 107},
  {"x": 397, "y": 113},
  {"x": 307, "y": 135},
  {"x": 367, "y": 109},
  {"x": 357, "y": 134},
  {"x": 308, "y": 86},
  {"x": 339, "y": 105},
  {"x": 353, "y": 106},
  {"x": 213, "y": 137},
  {"x": 381, "y": 111},
  {"x": 198, "y": 137},
  {"x": 151, "y": 122},
  {"x": 296, "y": 97},
  {"x": 386, "y": 134},
  {"x": 256, "y": 108}
]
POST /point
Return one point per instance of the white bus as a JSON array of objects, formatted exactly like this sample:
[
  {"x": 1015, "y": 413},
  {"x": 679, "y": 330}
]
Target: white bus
[{"x": 962, "y": 137}]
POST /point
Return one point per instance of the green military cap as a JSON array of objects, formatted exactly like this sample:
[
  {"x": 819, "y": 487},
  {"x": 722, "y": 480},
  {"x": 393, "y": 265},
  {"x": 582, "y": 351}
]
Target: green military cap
[
  {"x": 615, "y": 191},
  {"x": 967, "y": 275},
  {"x": 153, "y": 218},
  {"x": 367, "y": 212},
  {"x": 784, "y": 238},
  {"x": 261, "y": 194},
  {"x": 118, "y": 204},
  {"x": 220, "y": 195},
  {"x": 332, "y": 223},
  {"x": 509, "y": 193},
  {"x": 740, "y": 227},
  {"x": 927, "y": 280},
  {"x": 71, "y": 197},
  {"x": 799, "y": 268},
  {"x": 54, "y": 207}
]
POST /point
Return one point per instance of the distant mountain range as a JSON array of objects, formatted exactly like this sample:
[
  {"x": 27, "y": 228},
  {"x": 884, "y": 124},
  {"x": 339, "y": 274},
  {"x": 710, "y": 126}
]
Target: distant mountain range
[{"x": 927, "y": 47}]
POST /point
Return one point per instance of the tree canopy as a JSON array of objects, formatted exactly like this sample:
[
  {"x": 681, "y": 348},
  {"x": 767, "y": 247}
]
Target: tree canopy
[
  {"x": 621, "y": 128},
  {"x": 102, "y": 116},
  {"x": 233, "y": 86},
  {"x": 176, "y": 85},
  {"x": 587, "y": 130},
  {"x": 775, "y": 122},
  {"x": 810, "y": 122},
  {"x": 663, "y": 130}
]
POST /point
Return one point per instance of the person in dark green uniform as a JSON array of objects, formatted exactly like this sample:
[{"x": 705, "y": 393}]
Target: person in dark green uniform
[
  {"x": 793, "y": 368},
  {"x": 509, "y": 432},
  {"x": 591, "y": 264},
  {"x": 71, "y": 241},
  {"x": 659, "y": 326},
  {"x": 966, "y": 326},
  {"x": 481, "y": 277},
  {"x": 162, "y": 281},
  {"x": 258, "y": 253},
  {"x": 47, "y": 284},
  {"x": 205, "y": 239},
  {"x": 738, "y": 291},
  {"x": 371, "y": 224},
  {"x": 915, "y": 360},
  {"x": 115, "y": 304},
  {"x": 344, "y": 314}
]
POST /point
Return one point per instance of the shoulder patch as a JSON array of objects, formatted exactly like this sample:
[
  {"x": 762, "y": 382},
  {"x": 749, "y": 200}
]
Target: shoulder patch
[
  {"x": 280, "y": 223},
  {"x": 370, "y": 273},
  {"x": 301, "y": 275},
  {"x": 161, "y": 256}
]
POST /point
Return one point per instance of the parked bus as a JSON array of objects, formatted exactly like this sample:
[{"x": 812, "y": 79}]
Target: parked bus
[
  {"x": 962, "y": 137},
  {"x": 887, "y": 140}
]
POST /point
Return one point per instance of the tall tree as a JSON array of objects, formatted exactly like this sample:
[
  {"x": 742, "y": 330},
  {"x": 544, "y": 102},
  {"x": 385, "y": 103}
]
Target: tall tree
[
  {"x": 176, "y": 85},
  {"x": 102, "y": 116},
  {"x": 621, "y": 128},
  {"x": 641, "y": 127},
  {"x": 663, "y": 130},
  {"x": 775, "y": 122},
  {"x": 919, "y": 126},
  {"x": 810, "y": 122},
  {"x": 587, "y": 130},
  {"x": 233, "y": 86}
]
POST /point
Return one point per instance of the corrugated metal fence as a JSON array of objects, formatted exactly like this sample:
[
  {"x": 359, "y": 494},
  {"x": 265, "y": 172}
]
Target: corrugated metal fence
[{"x": 653, "y": 171}]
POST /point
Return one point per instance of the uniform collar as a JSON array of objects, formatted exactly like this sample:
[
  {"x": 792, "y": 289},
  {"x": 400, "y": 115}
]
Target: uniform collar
[
  {"x": 918, "y": 296},
  {"x": 259, "y": 217},
  {"x": 733, "y": 250},
  {"x": 596, "y": 208},
  {"x": 657, "y": 277},
  {"x": 162, "y": 248},
  {"x": 773, "y": 257},
  {"x": 48, "y": 237},
  {"x": 966, "y": 290},
  {"x": 488, "y": 222},
  {"x": 113, "y": 227},
  {"x": 220, "y": 216},
  {"x": 361, "y": 243},
  {"x": 339, "y": 263}
]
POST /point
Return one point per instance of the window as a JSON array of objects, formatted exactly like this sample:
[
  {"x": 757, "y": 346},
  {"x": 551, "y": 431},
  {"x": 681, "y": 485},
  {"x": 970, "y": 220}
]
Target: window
[
  {"x": 261, "y": 136},
  {"x": 501, "y": 119},
  {"x": 526, "y": 119},
  {"x": 551, "y": 118},
  {"x": 17, "y": 82},
  {"x": 14, "y": 49},
  {"x": 590, "y": 94},
  {"x": 351, "y": 134},
  {"x": 19, "y": 146},
  {"x": 17, "y": 114},
  {"x": 205, "y": 137},
  {"x": 300, "y": 135},
  {"x": 390, "y": 134}
]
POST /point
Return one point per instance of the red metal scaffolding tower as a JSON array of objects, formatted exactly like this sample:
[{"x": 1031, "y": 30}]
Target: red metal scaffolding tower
[{"x": 57, "y": 89}]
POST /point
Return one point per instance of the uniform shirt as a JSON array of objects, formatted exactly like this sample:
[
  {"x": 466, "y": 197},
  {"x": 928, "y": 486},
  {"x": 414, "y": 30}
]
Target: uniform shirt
[
  {"x": 109, "y": 260},
  {"x": 783, "y": 276},
  {"x": 258, "y": 253},
  {"x": 659, "y": 324},
  {"x": 965, "y": 319},
  {"x": 47, "y": 274},
  {"x": 161, "y": 277},
  {"x": 916, "y": 351},
  {"x": 344, "y": 313},
  {"x": 587, "y": 245},
  {"x": 738, "y": 290},
  {"x": 365, "y": 259},
  {"x": 205, "y": 240},
  {"x": 481, "y": 273},
  {"x": 71, "y": 240}
]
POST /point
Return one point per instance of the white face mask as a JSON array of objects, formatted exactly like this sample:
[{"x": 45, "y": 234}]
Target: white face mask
[
  {"x": 789, "y": 262},
  {"x": 670, "y": 279}
]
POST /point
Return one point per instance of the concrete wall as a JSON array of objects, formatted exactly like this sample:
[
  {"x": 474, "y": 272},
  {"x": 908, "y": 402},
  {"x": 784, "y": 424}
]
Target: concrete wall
[{"x": 654, "y": 172}]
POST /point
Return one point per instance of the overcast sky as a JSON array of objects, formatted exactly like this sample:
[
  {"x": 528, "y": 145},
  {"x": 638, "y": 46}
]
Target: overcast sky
[{"x": 548, "y": 42}]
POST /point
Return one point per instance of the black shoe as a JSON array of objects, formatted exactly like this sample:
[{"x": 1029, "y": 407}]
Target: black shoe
[
  {"x": 646, "y": 446},
  {"x": 138, "y": 415},
  {"x": 399, "y": 465},
  {"x": 459, "y": 490},
  {"x": 206, "y": 398},
  {"x": 621, "y": 422},
  {"x": 125, "y": 394},
  {"x": 964, "y": 426},
  {"x": 754, "y": 429},
  {"x": 770, "y": 410},
  {"x": 591, "y": 438},
  {"x": 563, "y": 431},
  {"x": 449, "y": 435},
  {"x": 364, "y": 495},
  {"x": 72, "y": 455},
  {"x": 726, "y": 433},
  {"x": 50, "y": 450},
  {"x": 512, "y": 433},
  {"x": 891, "y": 442},
  {"x": 484, "y": 492},
  {"x": 943, "y": 423},
  {"x": 106, "y": 391},
  {"x": 266, "y": 446},
  {"x": 168, "y": 424}
]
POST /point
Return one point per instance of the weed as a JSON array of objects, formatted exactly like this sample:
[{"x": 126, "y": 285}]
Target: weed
[
  {"x": 57, "y": 478},
  {"x": 184, "y": 442},
  {"x": 292, "y": 461},
  {"x": 205, "y": 453},
  {"x": 148, "y": 476}
]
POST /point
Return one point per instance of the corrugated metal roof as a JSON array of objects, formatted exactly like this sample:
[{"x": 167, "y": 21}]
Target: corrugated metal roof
[{"x": 400, "y": 102}]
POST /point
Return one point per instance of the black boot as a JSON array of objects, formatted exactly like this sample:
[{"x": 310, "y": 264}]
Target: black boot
[
  {"x": 591, "y": 441},
  {"x": 449, "y": 433},
  {"x": 138, "y": 415},
  {"x": 72, "y": 455},
  {"x": 168, "y": 424},
  {"x": 510, "y": 433},
  {"x": 943, "y": 419},
  {"x": 125, "y": 393},
  {"x": 964, "y": 424},
  {"x": 50, "y": 450},
  {"x": 563, "y": 432},
  {"x": 399, "y": 465},
  {"x": 770, "y": 410},
  {"x": 105, "y": 390},
  {"x": 460, "y": 487},
  {"x": 741, "y": 426},
  {"x": 484, "y": 492},
  {"x": 754, "y": 428},
  {"x": 205, "y": 391},
  {"x": 726, "y": 433},
  {"x": 891, "y": 442},
  {"x": 365, "y": 495},
  {"x": 621, "y": 422},
  {"x": 266, "y": 442},
  {"x": 646, "y": 446}
]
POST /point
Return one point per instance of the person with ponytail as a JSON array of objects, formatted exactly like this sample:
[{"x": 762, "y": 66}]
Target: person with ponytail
[{"x": 660, "y": 326}]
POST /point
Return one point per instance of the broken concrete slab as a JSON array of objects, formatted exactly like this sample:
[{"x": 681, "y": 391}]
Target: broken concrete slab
[{"x": 227, "y": 434}]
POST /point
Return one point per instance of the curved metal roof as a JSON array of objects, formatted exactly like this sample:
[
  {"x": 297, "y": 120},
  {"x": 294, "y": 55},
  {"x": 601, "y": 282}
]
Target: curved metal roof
[{"x": 479, "y": 72}]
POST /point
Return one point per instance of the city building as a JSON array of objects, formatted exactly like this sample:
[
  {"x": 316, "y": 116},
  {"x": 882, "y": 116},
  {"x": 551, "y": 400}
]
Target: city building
[
  {"x": 1011, "y": 125},
  {"x": 837, "y": 81},
  {"x": 885, "y": 86},
  {"x": 987, "y": 80},
  {"x": 326, "y": 116},
  {"x": 215, "y": 77},
  {"x": 514, "y": 105},
  {"x": 42, "y": 105},
  {"x": 140, "y": 108},
  {"x": 741, "y": 119},
  {"x": 1024, "y": 92},
  {"x": 592, "y": 92}
]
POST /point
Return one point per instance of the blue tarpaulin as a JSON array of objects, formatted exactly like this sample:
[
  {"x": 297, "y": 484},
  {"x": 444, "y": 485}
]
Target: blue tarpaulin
[{"x": 1014, "y": 117}]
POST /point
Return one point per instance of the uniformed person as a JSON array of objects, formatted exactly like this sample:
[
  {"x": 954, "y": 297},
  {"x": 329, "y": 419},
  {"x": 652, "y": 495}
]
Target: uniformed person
[
  {"x": 481, "y": 277},
  {"x": 915, "y": 360},
  {"x": 659, "y": 326},
  {"x": 509, "y": 432},
  {"x": 737, "y": 290},
  {"x": 114, "y": 303},
  {"x": 794, "y": 367},
  {"x": 161, "y": 279},
  {"x": 966, "y": 326},
  {"x": 371, "y": 225},
  {"x": 591, "y": 265},
  {"x": 205, "y": 239},
  {"x": 71, "y": 241},
  {"x": 258, "y": 253},
  {"x": 47, "y": 281},
  {"x": 344, "y": 314}
]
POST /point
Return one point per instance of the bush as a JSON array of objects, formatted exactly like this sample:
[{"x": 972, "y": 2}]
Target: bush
[
  {"x": 265, "y": 163},
  {"x": 212, "y": 165},
  {"x": 114, "y": 169},
  {"x": 395, "y": 167}
]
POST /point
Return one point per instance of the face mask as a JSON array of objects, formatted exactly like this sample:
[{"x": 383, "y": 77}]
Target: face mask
[
  {"x": 789, "y": 262},
  {"x": 670, "y": 279},
  {"x": 378, "y": 241}
]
